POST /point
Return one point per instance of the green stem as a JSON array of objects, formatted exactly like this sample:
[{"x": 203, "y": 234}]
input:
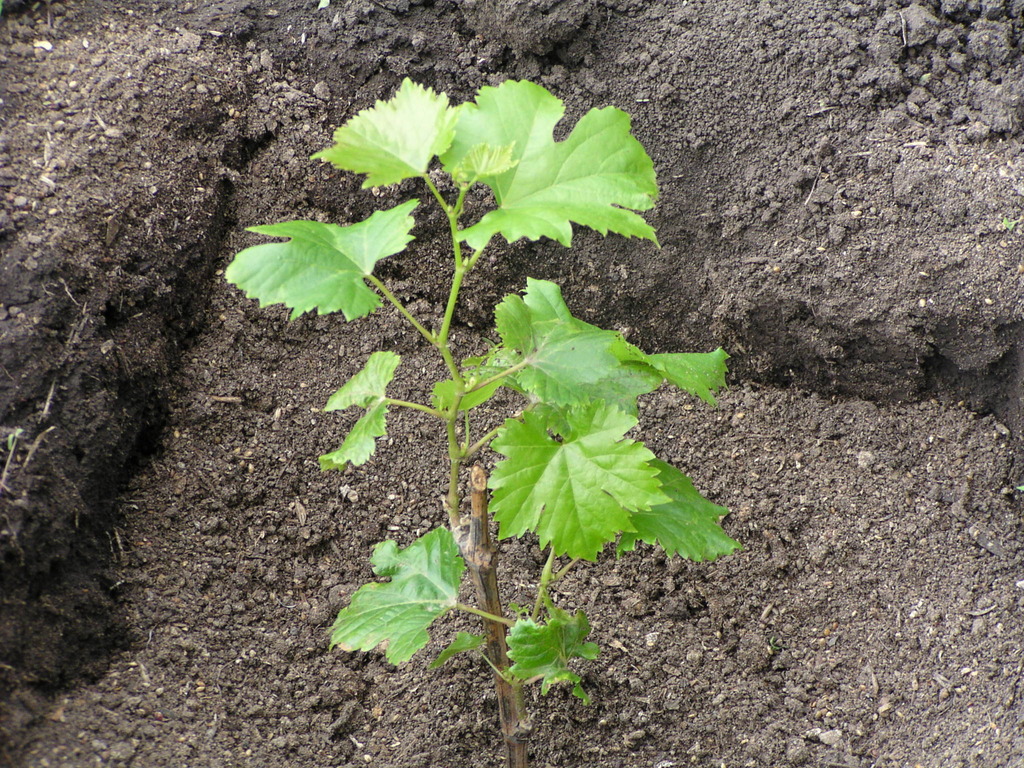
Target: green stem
[
  {"x": 387, "y": 294},
  {"x": 453, "y": 213},
  {"x": 437, "y": 195},
  {"x": 485, "y": 614},
  {"x": 416, "y": 406},
  {"x": 456, "y": 452},
  {"x": 446, "y": 324},
  {"x": 542, "y": 587},
  {"x": 455, "y": 457}
]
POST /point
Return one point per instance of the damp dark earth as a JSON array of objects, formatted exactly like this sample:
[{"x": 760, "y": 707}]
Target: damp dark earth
[{"x": 841, "y": 209}]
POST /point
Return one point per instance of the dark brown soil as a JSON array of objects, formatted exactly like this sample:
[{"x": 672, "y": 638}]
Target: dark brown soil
[{"x": 840, "y": 185}]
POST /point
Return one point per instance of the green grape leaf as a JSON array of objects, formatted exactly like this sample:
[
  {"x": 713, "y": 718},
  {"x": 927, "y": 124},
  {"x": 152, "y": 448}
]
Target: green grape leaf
[
  {"x": 688, "y": 524},
  {"x": 464, "y": 641},
  {"x": 569, "y": 361},
  {"x": 367, "y": 388},
  {"x": 519, "y": 610},
  {"x": 395, "y": 139},
  {"x": 321, "y": 266},
  {"x": 597, "y": 177},
  {"x": 484, "y": 160},
  {"x": 544, "y": 651},
  {"x": 699, "y": 373},
  {"x": 360, "y": 442},
  {"x": 444, "y": 395},
  {"x": 576, "y": 489},
  {"x": 424, "y": 585},
  {"x": 624, "y": 385},
  {"x": 562, "y": 354}
]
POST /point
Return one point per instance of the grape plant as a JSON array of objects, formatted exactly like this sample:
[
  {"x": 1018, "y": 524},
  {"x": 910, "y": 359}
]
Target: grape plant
[{"x": 564, "y": 469}]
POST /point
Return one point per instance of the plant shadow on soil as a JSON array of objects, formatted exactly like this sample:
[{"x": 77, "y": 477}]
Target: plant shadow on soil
[{"x": 839, "y": 186}]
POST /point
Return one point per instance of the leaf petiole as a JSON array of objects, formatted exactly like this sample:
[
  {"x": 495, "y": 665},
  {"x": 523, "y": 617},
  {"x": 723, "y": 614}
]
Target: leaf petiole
[
  {"x": 415, "y": 406},
  {"x": 472, "y": 260},
  {"x": 500, "y": 375},
  {"x": 485, "y": 614},
  {"x": 387, "y": 294},
  {"x": 482, "y": 442},
  {"x": 561, "y": 573},
  {"x": 448, "y": 209}
]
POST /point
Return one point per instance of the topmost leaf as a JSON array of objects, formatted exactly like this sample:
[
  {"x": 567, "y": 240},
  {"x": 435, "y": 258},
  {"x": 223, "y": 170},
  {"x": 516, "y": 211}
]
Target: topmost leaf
[
  {"x": 594, "y": 177},
  {"x": 396, "y": 139}
]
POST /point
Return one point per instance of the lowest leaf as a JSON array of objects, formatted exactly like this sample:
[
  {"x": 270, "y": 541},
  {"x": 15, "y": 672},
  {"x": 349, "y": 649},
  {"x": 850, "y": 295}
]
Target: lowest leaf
[{"x": 545, "y": 650}]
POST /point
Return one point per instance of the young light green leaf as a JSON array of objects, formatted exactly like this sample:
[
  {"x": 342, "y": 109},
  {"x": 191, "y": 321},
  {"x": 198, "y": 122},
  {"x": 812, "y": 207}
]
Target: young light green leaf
[
  {"x": 688, "y": 524},
  {"x": 544, "y": 651},
  {"x": 368, "y": 387},
  {"x": 395, "y": 139},
  {"x": 519, "y": 610},
  {"x": 484, "y": 160},
  {"x": 360, "y": 442},
  {"x": 576, "y": 490},
  {"x": 597, "y": 177},
  {"x": 322, "y": 266},
  {"x": 367, "y": 390},
  {"x": 699, "y": 373},
  {"x": 424, "y": 584},
  {"x": 444, "y": 395},
  {"x": 464, "y": 641}
]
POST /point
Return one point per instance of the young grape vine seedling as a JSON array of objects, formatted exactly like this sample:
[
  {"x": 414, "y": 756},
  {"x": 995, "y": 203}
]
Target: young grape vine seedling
[{"x": 567, "y": 473}]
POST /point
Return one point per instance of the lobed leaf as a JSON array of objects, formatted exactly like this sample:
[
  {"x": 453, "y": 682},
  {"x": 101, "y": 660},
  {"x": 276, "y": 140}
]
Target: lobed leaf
[
  {"x": 563, "y": 354},
  {"x": 366, "y": 388},
  {"x": 699, "y": 373},
  {"x": 688, "y": 524},
  {"x": 570, "y": 361},
  {"x": 576, "y": 489},
  {"x": 424, "y": 585},
  {"x": 484, "y": 160},
  {"x": 321, "y": 266},
  {"x": 544, "y": 651},
  {"x": 597, "y": 177},
  {"x": 395, "y": 139},
  {"x": 360, "y": 442}
]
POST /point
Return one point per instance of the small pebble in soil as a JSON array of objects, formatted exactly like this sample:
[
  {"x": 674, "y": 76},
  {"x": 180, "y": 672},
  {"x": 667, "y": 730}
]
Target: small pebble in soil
[{"x": 831, "y": 738}]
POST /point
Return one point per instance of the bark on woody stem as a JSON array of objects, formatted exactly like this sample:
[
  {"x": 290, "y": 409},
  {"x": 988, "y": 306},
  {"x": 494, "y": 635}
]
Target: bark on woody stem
[{"x": 481, "y": 558}]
